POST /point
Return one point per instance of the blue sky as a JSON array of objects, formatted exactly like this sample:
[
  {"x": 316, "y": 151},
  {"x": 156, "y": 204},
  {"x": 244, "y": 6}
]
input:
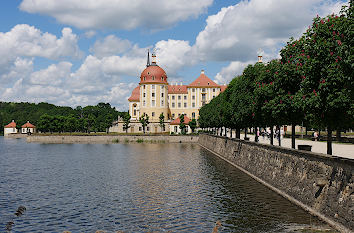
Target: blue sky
[{"x": 74, "y": 52}]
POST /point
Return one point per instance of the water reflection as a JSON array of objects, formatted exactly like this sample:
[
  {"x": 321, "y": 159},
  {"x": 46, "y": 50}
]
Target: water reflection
[{"x": 134, "y": 188}]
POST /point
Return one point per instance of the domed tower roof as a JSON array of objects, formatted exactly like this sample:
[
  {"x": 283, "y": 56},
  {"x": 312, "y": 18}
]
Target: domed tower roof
[{"x": 153, "y": 73}]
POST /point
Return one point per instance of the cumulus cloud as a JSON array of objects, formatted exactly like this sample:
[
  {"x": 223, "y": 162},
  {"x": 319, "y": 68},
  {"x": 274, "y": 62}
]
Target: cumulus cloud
[
  {"x": 27, "y": 41},
  {"x": 110, "y": 45},
  {"x": 124, "y": 14},
  {"x": 232, "y": 70},
  {"x": 236, "y": 32},
  {"x": 172, "y": 55},
  {"x": 55, "y": 74}
]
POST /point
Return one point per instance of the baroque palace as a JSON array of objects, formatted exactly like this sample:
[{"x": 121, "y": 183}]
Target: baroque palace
[{"x": 154, "y": 96}]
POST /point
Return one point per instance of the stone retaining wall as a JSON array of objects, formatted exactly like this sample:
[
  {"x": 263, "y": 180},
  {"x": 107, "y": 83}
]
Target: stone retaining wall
[
  {"x": 114, "y": 139},
  {"x": 321, "y": 184}
]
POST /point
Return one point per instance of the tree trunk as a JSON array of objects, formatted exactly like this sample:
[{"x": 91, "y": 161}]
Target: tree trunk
[
  {"x": 279, "y": 135},
  {"x": 271, "y": 135},
  {"x": 230, "y": 133},
  {"x": 245, "y": 132},
  {"x": 225, "y": 132},
  {"x": 256, "y": 134},
  {"x": 293, "y": 135},
  {"x": 329, "y": 141},
  {"x": 238, "y": 133},
  {"x": 338, "y": 132},
  {"x": 306, "y": 131}
]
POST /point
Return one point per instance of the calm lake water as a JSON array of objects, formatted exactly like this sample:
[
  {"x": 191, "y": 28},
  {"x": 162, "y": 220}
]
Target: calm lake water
[{"x": 134, "y": 188}]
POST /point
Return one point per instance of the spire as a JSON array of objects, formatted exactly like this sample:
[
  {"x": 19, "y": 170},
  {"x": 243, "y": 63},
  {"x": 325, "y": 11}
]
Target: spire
[
  {"x": 153, "y": 59},
  {"x": 148, "y": 59}
]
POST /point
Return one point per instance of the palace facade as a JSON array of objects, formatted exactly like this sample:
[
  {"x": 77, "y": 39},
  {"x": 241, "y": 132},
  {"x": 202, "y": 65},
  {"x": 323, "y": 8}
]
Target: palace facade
[{"x": 155, "y": 95}]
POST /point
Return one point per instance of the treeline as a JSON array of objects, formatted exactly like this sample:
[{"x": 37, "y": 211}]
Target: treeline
[
  {"x": 51, "y": 118},
  {"x": 312, "y": 84}
]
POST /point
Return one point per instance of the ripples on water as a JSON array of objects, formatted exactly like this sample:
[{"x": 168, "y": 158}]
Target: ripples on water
[{"x": 134, "y": 188}]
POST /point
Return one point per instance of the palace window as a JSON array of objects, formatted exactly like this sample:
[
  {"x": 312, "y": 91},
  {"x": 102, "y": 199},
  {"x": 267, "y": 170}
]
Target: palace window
[
  {"x": 179, "y": 105},
  {"x": 162, "y": 103},
  {"x": 144, "y": 87},
  {"x": 203, "y": 90},
  {"x": 153, "y": 94},
  {"x": 161, "y": 94},
  {"x": 179, "y": 97},
  {"x": 153, "y": 87},
  {"x": 134, "y": 112},
  {"x": 193, "y": 97},
  {"x": 185, "y": 97},
  {"x": 153, "y": 114},
  {"x": 148, "y": 128},
  {"x": 153, "y": 103},
  {"x": 185, "y": 105},
  {"x": 173, "y": 97},
  {"x": 213, "y": 89},
  {"x": 173, "y": 116},
  {"x": 173, "y": 105},
  {"x": 144, "y": 103},
  {"x": 162, "y": 88},
  {"x": 193, "y": 105},
  {"x": 193, "y": 89},
  {"x": 139, "y": 128},
  {"x": 144, "y": 94}
]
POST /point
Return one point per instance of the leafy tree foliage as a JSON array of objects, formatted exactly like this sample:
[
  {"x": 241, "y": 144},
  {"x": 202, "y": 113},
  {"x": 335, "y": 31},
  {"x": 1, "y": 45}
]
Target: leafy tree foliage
[
  {"x": 312, "y": 83},
  {"x": 50, "y": 118},
  {"x": 162, "y": 122},
  {"x": 193, "y": 125},
  {"x": 144, "y": 120},
  {"x": 182, "y": 124},
  {"x": 126, "y": 122}
]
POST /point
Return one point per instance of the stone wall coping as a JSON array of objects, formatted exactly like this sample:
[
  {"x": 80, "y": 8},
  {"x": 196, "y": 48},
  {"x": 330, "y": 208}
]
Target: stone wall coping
[{"x": 306, "y": 154}]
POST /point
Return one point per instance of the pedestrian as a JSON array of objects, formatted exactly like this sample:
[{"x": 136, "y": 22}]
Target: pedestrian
[{"x": 315, "y": 135}]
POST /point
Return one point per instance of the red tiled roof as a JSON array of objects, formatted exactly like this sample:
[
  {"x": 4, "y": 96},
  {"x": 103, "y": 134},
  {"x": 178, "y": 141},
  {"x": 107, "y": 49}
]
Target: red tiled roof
[
  {"x": 28, "y": 125},
  {"x": 203, "y": 81},
  {"x": 223, "y": 88},
  {"x": 178, "y": 121},
  {"x": 135, "y": 94},
  {"x": 11, "y": 125},
  {"x": 153, "y": 74},
  {"x": 177, "y": 89}
]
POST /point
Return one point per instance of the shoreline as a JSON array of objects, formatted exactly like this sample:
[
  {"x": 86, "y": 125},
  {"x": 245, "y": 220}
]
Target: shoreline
[{"x": 111, "y": 139}]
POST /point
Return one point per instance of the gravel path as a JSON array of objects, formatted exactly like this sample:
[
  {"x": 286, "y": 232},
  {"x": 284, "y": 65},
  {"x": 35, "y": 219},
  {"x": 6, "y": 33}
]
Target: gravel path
[{"x": 339, "y": 149}]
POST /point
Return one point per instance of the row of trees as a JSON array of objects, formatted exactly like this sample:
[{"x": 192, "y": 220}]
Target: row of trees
[
  {"x": 312, "y": 83},
  {"x": 51, "y": 118},
  {"x": 144, "y": 120}
]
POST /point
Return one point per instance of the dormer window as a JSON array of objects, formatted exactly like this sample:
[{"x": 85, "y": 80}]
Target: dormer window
[
  {"x": 208, "y": 83},
  {"x": 162, "y": 78},
  {"x": 153, "y": 77},
  {"x": 144, "y": 78},
  {"x": 148, "y": 72}
]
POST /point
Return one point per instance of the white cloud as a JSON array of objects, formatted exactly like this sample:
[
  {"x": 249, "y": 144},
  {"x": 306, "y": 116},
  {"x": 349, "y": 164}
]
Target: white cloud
[
  {"x": 172, "y": 55},
  {"x": 27, "y": 41},
  {"x": 232, "y": 70},
  {"x": 110, "y": 45},
  {"x": 53, "y": 75},
  {"x": 90, "y": 33},
  {"x": 236, "y": 33},
  {"x": 123, "y": 14}
]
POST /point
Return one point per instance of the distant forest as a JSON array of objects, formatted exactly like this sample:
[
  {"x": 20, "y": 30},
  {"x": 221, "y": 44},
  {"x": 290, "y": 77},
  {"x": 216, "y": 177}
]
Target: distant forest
[{"x": 51, "y": 118}]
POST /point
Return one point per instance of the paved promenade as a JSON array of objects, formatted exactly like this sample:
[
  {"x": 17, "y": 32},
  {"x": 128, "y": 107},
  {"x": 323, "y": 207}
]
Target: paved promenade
[{"x": 339, "y": 149}]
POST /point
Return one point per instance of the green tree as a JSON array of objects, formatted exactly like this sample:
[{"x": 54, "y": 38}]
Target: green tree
[
  {"x": 144, "y": 120},
  {"x": 162, "y": 122},
  {"x": 193, "y": 125},
  {"x": 182, "y": 124},
  {"x": 44, "y": 123},
  {"x": 126, "y": 122},
  {"x": 327, "y": 90}
]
